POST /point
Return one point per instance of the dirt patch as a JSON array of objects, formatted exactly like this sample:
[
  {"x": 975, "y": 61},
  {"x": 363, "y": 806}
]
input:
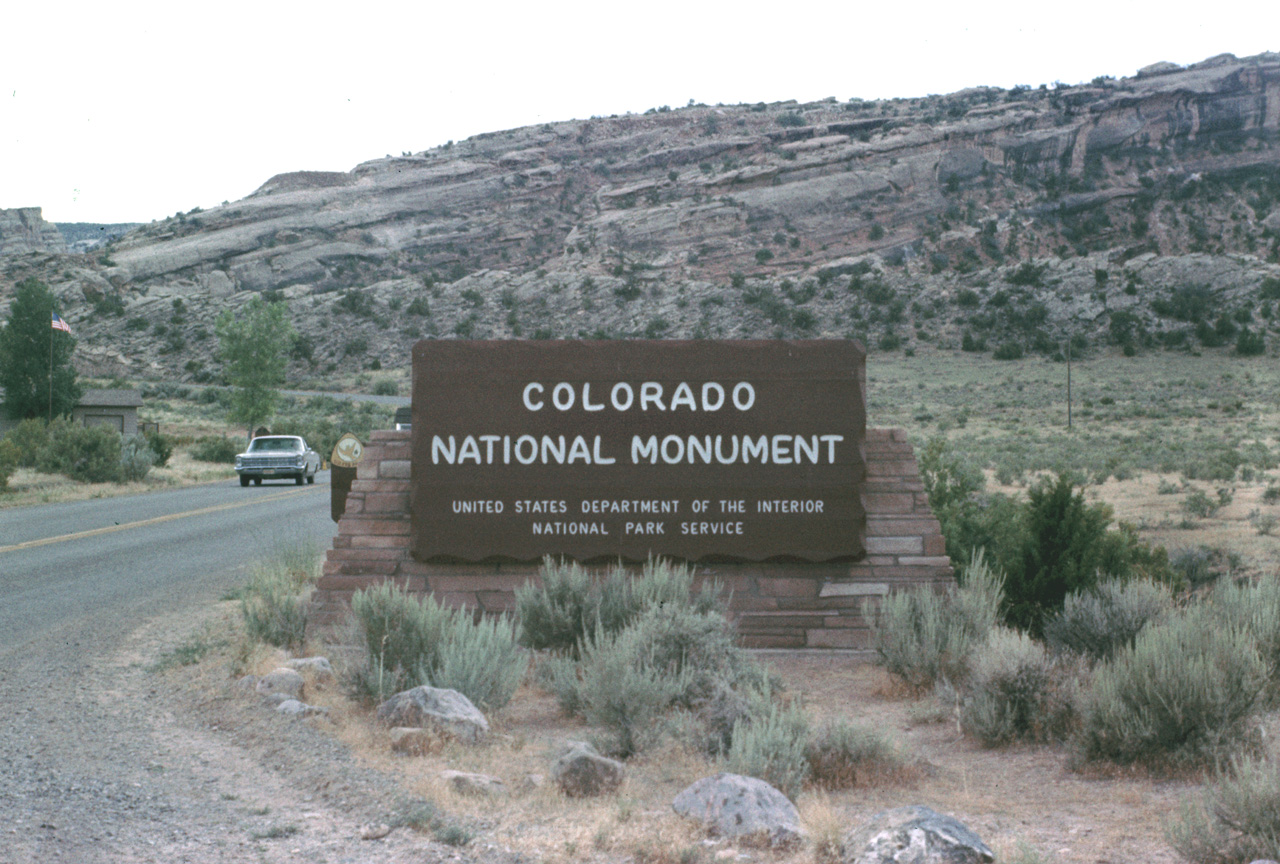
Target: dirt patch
[{"x": 1017, "y": 798}]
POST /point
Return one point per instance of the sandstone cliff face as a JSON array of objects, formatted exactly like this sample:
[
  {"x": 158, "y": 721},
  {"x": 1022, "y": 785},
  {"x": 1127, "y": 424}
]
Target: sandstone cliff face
[
  {"x": 864, "y": 219},
  {"x": 23, "y": 230}
]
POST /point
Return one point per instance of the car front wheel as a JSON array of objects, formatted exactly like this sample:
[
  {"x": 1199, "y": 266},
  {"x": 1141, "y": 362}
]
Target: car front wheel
[{"x": 244, "y": 481}]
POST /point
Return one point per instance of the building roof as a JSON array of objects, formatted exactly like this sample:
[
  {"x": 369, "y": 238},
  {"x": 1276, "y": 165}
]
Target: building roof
[{"x": 110, "y": 399}]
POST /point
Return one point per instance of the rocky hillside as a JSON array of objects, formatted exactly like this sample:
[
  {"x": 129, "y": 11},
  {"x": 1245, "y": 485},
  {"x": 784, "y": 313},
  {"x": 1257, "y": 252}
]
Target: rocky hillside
[{"x": 1131, "y": 213}]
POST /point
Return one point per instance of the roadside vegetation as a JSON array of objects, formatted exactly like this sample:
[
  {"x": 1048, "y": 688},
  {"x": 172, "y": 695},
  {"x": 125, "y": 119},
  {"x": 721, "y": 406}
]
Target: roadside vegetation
[
  {"x": 1110, "y": 653},
  {"x": 44, "y": 462}
]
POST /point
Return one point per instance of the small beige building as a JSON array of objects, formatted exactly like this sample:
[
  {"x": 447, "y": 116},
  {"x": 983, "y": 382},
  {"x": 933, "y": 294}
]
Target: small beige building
[{"x": 115, "y": 408}]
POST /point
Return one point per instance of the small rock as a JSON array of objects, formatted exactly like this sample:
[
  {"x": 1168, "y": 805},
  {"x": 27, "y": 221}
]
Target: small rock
[
  {"x": 318, "y": 668},
  {"x": 732, "y": 805},
  {"x": 581, "y": 772},
  {"x": 282, "y": 680},
  {"x": 529, "y": 782},
  {"x": 247, "y": 683},
  {"x": 294, "y": 708},
  {"x": 374, "y": 831},
  {"x": 445, "y": 711},
  {"x": 414, "y": 740},
  {"x": 915, "y": 834},
  {"x": 275, "y": 700},
  {"x": 478, "y": 785}
]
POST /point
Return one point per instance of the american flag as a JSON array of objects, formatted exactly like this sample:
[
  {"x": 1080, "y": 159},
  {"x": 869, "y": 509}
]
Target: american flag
[{"x": 59, "y": 324}]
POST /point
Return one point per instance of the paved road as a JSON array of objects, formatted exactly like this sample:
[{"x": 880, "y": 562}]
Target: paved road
[
  {"x": 98, "y": 762},
  {"x": 120, "y": 558}
]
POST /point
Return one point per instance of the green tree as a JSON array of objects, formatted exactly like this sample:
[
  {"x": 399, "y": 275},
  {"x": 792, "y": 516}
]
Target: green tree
[
  {"x": 26, "y": 361},
  {"x": 254, "y": 347},
  {"x": 1065, "y": 543}
]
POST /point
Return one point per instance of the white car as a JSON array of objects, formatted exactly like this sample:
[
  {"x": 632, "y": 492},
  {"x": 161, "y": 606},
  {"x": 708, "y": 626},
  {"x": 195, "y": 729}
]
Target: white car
[{"x": 271, "y": 456}]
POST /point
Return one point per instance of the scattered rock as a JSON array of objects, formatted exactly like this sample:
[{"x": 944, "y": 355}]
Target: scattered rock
[
  {"x": 374, "y": 831},
  {"x": 732, "y": 805},
  {"x": 581, "y": 772},
  {"x": 414, "y": 740},
  {"x": 529, "y": 782},
  {"x": 294, "y": 708},
  {"x": 275, "y": 700},
  {"x": 914, "y": 834},
  {"x": 282, "y": 680},
  {"x": 478, "y": 785},
  {"x": 445, "y": 711},
  {"x": 247, "y": 684},
  {"x": 317, "y": 667}
]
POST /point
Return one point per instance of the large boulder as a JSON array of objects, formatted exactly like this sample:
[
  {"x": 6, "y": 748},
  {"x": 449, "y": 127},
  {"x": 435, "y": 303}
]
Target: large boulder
[
  {"x": 581, "y": 772},
  {"x": 732, "y": 805},
  {"x": 914, "y": 835},
  {"x": 442, "y": 711}
]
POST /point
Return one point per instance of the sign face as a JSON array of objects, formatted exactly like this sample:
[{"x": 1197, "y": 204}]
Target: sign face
[
  {"x": 731, "y": 451},
  {"x": 347, "y": 452}
]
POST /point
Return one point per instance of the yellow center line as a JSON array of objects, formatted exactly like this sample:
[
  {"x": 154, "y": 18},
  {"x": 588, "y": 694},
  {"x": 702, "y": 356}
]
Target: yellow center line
[{"x": 110, "y": 529}]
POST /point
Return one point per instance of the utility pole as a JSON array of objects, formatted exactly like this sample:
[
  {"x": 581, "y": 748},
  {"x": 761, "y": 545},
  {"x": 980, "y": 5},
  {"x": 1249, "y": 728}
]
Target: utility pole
[{"x": 1068, "y": 380}]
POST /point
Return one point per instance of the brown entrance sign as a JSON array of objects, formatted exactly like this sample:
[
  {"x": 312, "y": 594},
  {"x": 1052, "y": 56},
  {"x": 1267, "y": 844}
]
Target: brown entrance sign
[{"x": 746, "y": 450}]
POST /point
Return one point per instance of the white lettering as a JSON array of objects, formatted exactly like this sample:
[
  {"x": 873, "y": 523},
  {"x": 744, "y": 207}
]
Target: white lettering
[
  {"x": 532, "y": 444},
  {"x": 553, "y": 447},
  {"x": 469, "y": 450},
  {"x": 719, "y": 391},
  {"x": 759, "y": 448},
  {"x": 578, "y": 450},
  {"x": 438, "y": 450},
  {"x": 567, "y": 402},
  {"x": 651, "y": 391},
  {"x": 746, "y": 401},
  {"x": 780, "y": 456},
  {"x": 600, "y": 460},
  {"x": 640, "y": 449},
  {"x": 586, "y": 400},
  {"x": 624, "y": 388},
  {"x": 683, "y": 396},
  {"x": 831, "y": 442},
  {"x": 529, "y": 388}
]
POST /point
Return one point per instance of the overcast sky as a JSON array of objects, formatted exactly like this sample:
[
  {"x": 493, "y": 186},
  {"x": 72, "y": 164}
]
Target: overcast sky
[{"x": 128, "y": 112}]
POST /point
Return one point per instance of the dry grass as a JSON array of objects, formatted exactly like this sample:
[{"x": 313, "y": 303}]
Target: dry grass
[
  {"x": 1025, "y": 801},
  {"x": 28, "y": 486}
]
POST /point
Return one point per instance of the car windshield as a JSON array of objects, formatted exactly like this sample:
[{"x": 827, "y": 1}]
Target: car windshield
[{"x": 275, "y": 445}]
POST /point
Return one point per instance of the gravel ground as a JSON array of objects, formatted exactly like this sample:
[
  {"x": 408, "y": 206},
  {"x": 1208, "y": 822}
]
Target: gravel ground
[{"x": 104, "y": 760}]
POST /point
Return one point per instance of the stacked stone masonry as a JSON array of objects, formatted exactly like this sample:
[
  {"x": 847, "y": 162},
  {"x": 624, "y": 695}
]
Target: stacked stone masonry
[{"x": 776, "y": 605}]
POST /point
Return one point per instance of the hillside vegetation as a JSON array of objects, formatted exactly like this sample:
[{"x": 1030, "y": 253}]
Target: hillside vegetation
[{"x": 1131, "y": 214}]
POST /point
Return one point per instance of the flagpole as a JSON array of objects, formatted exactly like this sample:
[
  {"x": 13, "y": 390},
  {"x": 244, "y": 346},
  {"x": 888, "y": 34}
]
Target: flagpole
[{"x": 51, "y": 370}]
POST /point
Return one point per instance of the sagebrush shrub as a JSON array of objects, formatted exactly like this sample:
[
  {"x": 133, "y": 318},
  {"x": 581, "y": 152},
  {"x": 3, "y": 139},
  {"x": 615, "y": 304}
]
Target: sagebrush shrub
[
  {"x": 570, "y": 603},
  {"x": 481, "y": 660},
  {"x": 216, "y": 448},
  {"x": 273, "y": 610},
  {"x": 1183, "y": 694},
  {"x": 772, "y": 748},
  {"x": 9, "y": 456},
  {"x": 1013, "y": 692},
  {"x": 1237, "y": 821},
  {"x": 1097, "y": 623},
  {"x": 1255, "y": 608},
  {"x": 410, "y": 641},
  {"x": 89, "y": 454},
  {"x": 923, "y": 637},
  {"x": 842, "y": 756},
  {"x": 29, "y": 437},
  {"x": 136, "y": 458},
  {"x": 624, "y": 690}
]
